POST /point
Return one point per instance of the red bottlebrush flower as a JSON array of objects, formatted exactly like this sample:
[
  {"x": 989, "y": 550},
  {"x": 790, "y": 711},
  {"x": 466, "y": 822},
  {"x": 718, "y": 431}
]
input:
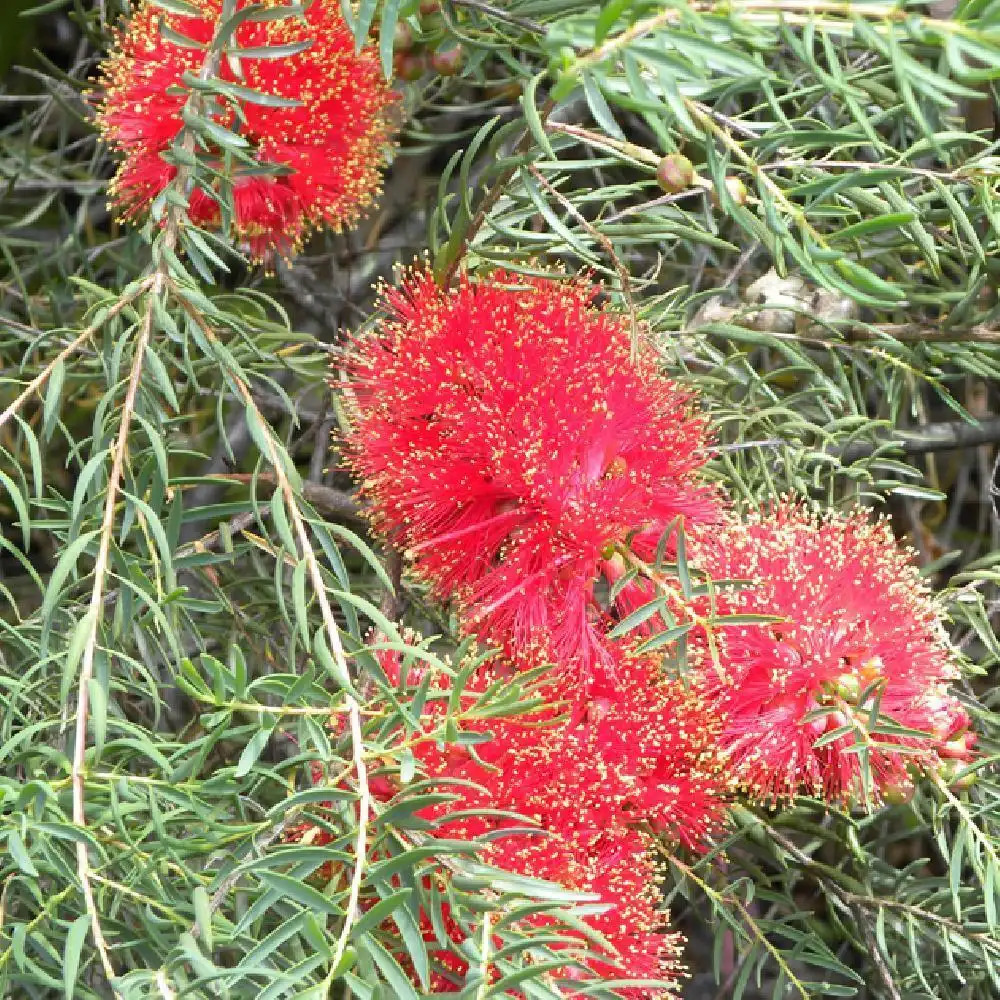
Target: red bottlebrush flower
[
  {"x": 508, "y": 441},
  {"x": 588, "y": 771},
  {"x": 326, "y": 150},
  {"x": 660, "y": 740},
  {"x": 636, "y": 749},
  {"x": 619, "y": 870},
  {"x": 855, "y": 619}
]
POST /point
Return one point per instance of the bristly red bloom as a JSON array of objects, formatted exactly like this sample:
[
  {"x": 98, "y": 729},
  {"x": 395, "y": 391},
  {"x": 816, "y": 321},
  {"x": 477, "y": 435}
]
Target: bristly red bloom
[
  {"x": 590, "y": 771},
  {"x": 856, "y": 625},
  {"x": 509, "y": 442},
  {"x": 637, "y": 749},
  {"x": 326, "y": 149},
  {"x": 617, "y": 867}
]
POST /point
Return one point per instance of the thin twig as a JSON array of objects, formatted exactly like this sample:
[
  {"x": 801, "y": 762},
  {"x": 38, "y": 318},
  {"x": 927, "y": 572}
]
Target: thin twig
[
  {"x": 484, "y": 959},
  {"x": 391, "y": 604},
  {"x": 634, "y": 152},
  {"x": 337, "y": 649},
  {"x": 71, "y": 348},
  {"x": 878, "y": 959},
  {"x": 851, "y": 900},
  {"x": 93, "y": 620},
  {"x": 360, "y": 847},
  {"x": 620, "y": 269},
  {"x": 666, "y": 199},
  {"x": 751, "y": 923},
  {"x": 328, "y": 501},
  {"x": 878, "y": 333},
  {"x": 501, "y": 15},
  {"x": 949, "y": 436},
  {"x": 258, "y": 847},
  {"x": 861, "y": 166},
  {"x": 491, "y": 197},
  {"x": 920, "y": 333},
  {"x": 154, "y": 286}
]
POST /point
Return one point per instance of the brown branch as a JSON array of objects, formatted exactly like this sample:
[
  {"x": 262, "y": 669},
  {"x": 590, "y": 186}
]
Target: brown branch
[
  {"x": 950, "y": 436},
  {"x": 103, "y": 316},
  {"x": 501, "y": 15},
  {"x": 328, "y": 501},
  {"x": 392, "y": 605},
  {"x": 154, "y": 286},
  {"x": 620, "y": 269},
  {"x": 921, "y": 333},
  {"x": 492, "y": 197},
  {"x": 92, "y": 622},
  {"x": 836, "y": 334}
]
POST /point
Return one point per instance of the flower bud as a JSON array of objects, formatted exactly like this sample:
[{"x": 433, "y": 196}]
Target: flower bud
[
  {"x": 447, "y": 62},
  {"x": 736, "y": 190},
  {"x": 409, "y": 66},
  {"x": 402, "y": 37},
  {"x": 848, "y": 687},
  {"x": 429, "y": 6},
  {"x": 675, "y": 173}
]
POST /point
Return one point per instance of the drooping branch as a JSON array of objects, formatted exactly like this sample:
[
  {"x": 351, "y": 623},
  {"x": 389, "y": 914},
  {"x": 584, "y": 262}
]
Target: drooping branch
[{"x": 949, "y": 436}]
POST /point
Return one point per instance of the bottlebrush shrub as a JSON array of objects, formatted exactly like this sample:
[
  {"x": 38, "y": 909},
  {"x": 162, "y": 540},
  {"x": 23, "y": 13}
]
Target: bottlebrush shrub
[
  {"x": 844, "y": 695},
  {"x": 188, "y": 579},
  {"x": 296, "y": 123},
  {"x": 509, "y": 436}
]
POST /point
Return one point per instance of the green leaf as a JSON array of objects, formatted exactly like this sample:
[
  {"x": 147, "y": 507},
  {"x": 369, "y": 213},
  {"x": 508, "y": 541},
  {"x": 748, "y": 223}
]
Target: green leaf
[
  {"x": 394, "y": 975},
  {"x": 532, "y": 118},
  {"x": 98, "y": 714},
  {"x": 285, "y": 51},
  {"x": 20, "y": 855},
  {"x": 637, "y": 617},
  {"x": 181, "y": 7},
  {"x": 53, "y": 398},
  {"x": 76, "y": 936},
  {"x": 304, "y": 894},
  {"x": 252, "y": 751},
  {"x": 379, "y": 913},
  {"x": 256, "y": 12},
  {"x": 64, "y": 566},
  {"x": 386, "y": 34},
  {"x": 203, "y": 915},
  {"x": 869, "y": 227},
  {"x": 17, "y": 498}
]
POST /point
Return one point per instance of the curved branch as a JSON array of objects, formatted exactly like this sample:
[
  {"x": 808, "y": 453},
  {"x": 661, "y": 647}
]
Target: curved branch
[{"x": 92, "y": 621}]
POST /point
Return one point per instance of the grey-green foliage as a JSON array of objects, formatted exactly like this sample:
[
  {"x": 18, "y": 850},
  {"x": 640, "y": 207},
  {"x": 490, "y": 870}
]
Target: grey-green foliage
[{"x": 202, "y": 625}]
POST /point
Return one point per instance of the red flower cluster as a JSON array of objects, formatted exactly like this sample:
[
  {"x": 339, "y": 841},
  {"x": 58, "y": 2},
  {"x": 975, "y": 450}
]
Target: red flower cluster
[
  {"x": 856, "y": 630},
  {"x": 617, "y": 869},
  {"x": 509, "y": 443},
  {"x": 638, "y": 748},
  {"x": 317, "y": 134},
  {"x": 641, "y": 750}
]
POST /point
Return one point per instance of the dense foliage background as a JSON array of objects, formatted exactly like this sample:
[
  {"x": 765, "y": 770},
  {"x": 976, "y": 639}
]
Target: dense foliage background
[{"x": 185, "y": 574}]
